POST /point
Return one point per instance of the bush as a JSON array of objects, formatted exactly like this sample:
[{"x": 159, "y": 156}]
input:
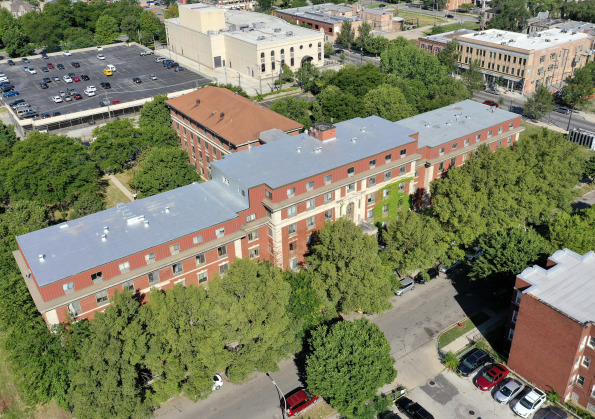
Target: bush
[{"x": 451, "y": 361}]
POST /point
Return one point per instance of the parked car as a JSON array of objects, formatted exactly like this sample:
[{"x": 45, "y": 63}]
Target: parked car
[
  {"x": 491, "y": 377},
  {"x": 561, "y": 109},
  {"x": 6, "y": 88},
  {"x": 57, "y": 99},
  {"x": 475, "y": 253},
  {"x": 472, "y": 361},
  {"x": 105, "y": 85},
  {"x": 76, "y": 79},
  {"x": 57, "y": 113},
  {"x": 99, "y": 48},
  {"x": 60, "y": 66},
  {"x": 50, "y": 65},
  {"x": 443, "y": 268},
  {"x": 67, "y": 79},
  {"x": 179, "y": 69},
  {"x": 146, "y": 52},
  {"x": 529, "y": 403},
  {"x": 160, "y": 59},
  {"x": 67, "y": 98},
  {"x": 11, "y": 93},
  {"x": 491, "y": 103},
  {"x": 492, "y": 90},
  {"x": 16, "y": 102},
  {"x": 298, "y": 400},
  {"x": 30, "y": 114},
  {"x": 45, "y": 56},
  {"x": 116, "y": 102},
  {"x": 104, "y": 103},
  {"x": 10, "y": 62},
  {"x": 45, "y": 115},
  {"x": 137, "y": 80},
  {"x": 71, "y": 75},
  {"x": 413, "y": 409},
  {"x": 26, "y": 69},
  {"x": 46, "y": 80},
  {"x": 407, "y": 284},
  {"x": 78, "y": 96},
  {"x": 85, "y": 77},
  {"x": 152, "y": 76},
  {"x": 107, "y": 72},
  {"x": 67, "y": 53},
  {"x": 56, "y": 78},
  {"x": 550, "y": 412},
  {"x": 26, "y": 60},
  {"x": 217, "y": 382},
  {"x": 32, "y": 70},
  {"x": 45, "y": 69},
  {"x": 75, "y": 64},
  {"x": 101, "y": 56},
  {"x": 508, "y": 390}
]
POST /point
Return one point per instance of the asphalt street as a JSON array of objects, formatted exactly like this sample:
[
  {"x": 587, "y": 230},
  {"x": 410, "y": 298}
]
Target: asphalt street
[{"x": 417, "y": 316}]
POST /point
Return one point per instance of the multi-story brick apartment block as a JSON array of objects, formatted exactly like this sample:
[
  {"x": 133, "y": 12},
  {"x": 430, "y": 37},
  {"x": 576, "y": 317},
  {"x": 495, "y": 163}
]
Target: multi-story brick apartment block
[
  {"x": 253, "y": 44},
  {"x": 526, "y": 61},
  {"x": 213, "y": 122},
  {"x": 551, "y": 326},
  {"x": 448, "y": 136},
  {"x": 456, "y": 4},
  {"x": 436, "y": 43},
  {"x": 263, "y": 203},
  {"x": 329, "y": 17}
]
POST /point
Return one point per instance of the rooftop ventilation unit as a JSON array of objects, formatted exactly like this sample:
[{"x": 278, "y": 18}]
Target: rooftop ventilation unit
[
  {"x": 564, "y": 30},
  {"x": 317, "y": 150},
  {"x": 260, "y": 38},
  {"x": 105, "y": 229},
  {"x": 363, "y": 129},
  {"x": 221, "y": 115},
  {"x": 103, "y": 237},
  {"x": 146, "y": 223},
  {"x": 548, "y": 40},
  {"x": 299, "y": 149},
  {"x": 289, "y": 33},
  {"x": 511, "y": 40},
  {"x": 354, "y": 139},
  {"x": 427, "y": 125},
  {"x": 503, "y": 43},
  {"x": 197, "y": 102},
  {"x": 41, "y": 257},
  {"x": 63, "y": 226},
  {"x": 277, "y": 30},
  {"x": 167, "y": 209}
]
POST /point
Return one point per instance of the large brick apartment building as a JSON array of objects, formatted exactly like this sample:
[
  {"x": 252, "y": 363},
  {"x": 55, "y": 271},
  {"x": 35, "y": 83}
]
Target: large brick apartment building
[
  {"x": 213, "y": 122},
  {"x": 262, "y": 203},
  {"x": 551, "y": 326}
]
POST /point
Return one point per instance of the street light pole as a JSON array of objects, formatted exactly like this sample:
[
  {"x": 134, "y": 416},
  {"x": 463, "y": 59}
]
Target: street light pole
[{"x": 284, "y": 409}]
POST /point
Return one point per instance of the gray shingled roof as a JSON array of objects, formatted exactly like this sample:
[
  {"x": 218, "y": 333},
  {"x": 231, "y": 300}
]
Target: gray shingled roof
[
  {"x": 77, "y": 246},
  {"x": 455, "y": 121},
  {"x": 568, "y": 287},
  {"x": 295, "y": 157}
]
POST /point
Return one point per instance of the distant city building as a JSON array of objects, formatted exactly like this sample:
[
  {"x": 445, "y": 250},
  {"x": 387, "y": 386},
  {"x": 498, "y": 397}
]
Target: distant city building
[
  {"x": 213, "y": 122},
  {"x": 582, "y": 137},
  {"x": 262, "y": 203},
  {"x": 436, "y": 43},
  {"x": 329, "y": 17},
  {"x": 233, "y": 4},
  {"x": 456, "y": 4},
  {"x": 525, "y": 61},
  {"x": 551, "y": 326},
  {"x": 17, "y": 7},
  {"x": 543, "y": 22},
  {"x": 254, "y": 44}
]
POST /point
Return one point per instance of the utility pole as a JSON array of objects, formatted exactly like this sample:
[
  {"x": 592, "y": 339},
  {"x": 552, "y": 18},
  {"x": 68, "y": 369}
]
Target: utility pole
[{"x": 283, "y": 409}]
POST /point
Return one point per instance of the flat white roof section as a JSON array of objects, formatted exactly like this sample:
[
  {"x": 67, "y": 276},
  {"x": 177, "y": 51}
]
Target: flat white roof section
[{"x": 540, "y": 40}]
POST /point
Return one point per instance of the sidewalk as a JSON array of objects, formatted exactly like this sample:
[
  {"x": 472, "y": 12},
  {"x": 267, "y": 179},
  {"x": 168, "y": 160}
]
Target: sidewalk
[
  {"x": 481, "y": 330},
  {"x": 120, "y": 186}
]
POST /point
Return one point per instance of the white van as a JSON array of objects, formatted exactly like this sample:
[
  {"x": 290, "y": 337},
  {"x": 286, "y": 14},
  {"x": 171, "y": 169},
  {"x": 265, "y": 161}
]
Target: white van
[
  {"x": 23, "y": 111},
  {"x": 111, "y": 67}
]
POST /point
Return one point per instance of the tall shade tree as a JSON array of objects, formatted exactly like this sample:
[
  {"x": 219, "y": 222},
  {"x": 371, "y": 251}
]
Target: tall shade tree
[
  {"x": 473, "y": 77},
  {"x": 116, "y": 144},
  {"x": 540, "y": 103},
  {"x": 449, "y": 56},
  {"x": 106, "y": 30},
  {"x": 106, "y": 379},
  {"x": 573, "y": 230},
  {"x": 346, "y": 35},
  {"x": 364, "y": 33},
  {"x": 415, "y": 241},
  {"x": 87, "y": 203},
  {"x": 334, "y": 105},
  {"x": 409, "y": 62},
  {"x": 294, "y": 108},
  {"x": 388, "y": 102},
  {"x": 249, "y": 310},
  {"x": 51, "y": 169},
  {"x": 356, "y": 80},
  {"x": 8, "y": 138},
  {"x": 184, "y": 346},
  {"x": 512, "y": 17},
  {"x": 347, "y": 363},
  {"x": 507, "y": 253},
  {"x": 155, "y": 124},
  {"x": 307, "y": 76},
  {"x": 151, "y": 27},
  {"x": 162, "y": 169},
  {"x": 346, "y": 270}
]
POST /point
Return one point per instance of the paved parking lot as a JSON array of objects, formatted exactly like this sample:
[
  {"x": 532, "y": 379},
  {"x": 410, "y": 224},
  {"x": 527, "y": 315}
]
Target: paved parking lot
[
  {"x": 448, "y": 396},
  {"x": 128, "y": 64}
]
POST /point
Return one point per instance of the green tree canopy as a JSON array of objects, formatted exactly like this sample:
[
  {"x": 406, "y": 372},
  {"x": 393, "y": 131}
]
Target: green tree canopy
[
  {"x": 8, "y": 138},
  {"x": 573, "y": 230},
  {"x": 162, "y": 169},
  {"x": 294, "y": 108},
  {"x": 155, "y": 124},
  {"x": 87, "y": 203},
  {"x": 172, "y": 11},
  {"x": 151, "y": 27},
  {"x": 106, "y": 378},
  {"x": 334, "y": 105},
  {"x": 249, "y": 311},
  {"x": 116, "y": 144},
  {"x": 409, "y": 62},
  {"x": 356, "y": 80},
  {"x": 307, "y": 76},
  {"x": 540, "y": 103},
  {"x": 346, "y": 270},
  {"x": 449, "y": 56},
  {"x": 512, "y": 17},
  {"x": 388, "y": 102},
  {"x": 106, "y": 30},
  {"x": 364, "y": 33},
  {"x": 473, "y": 77},
  {"x": 346, "y": 35},
  {"x": 507, "y": 253},
  {"x": 347, "y": 363},
  {"x": 16, "y": 42},
  {"x": 305, "y": 305}
]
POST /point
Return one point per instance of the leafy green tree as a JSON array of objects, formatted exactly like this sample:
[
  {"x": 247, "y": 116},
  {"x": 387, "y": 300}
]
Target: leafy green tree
[
  {"x": 347, "y": 363},
  {"x": 449, "y": 56},
  {"x": 307, "y": 76},
  {"x": 130, "y": 26},
  {"x": 172, "y": 11},
  {"x": 151, "y": 27},
  {"x": 589, "y": 168},
  {"x": 87, "y": 203},
  {"x": 155, "y": 113},
  {"x": 473, "y": 77},
  {"x": 582, "y": 11},
  {"x": 51, "y": 169},
  {"x": 364, "y": 33},
  {"x": 553, "y": 6},
  {"x": 16, "y": 43},
  {"x": 183, "y": 344},
  {"x": 446, "y": 91},
  {"x": 437, "y": 4},
  {"x": 334, "y": 105},
  {"x": 415, "y": 241},
  {"x": 507, "y": 253},
  {"x": 7, "y": 21},
  {"x": 376, "y": 44},
  {"x": 294, "y": 108},
  {"x": 287, "y": 74},
  {"x": 540, "y": 103},
  {"x": 573, "y": 230},
  {"x": 116, "y": 144},
  {"x": 305, "y": 304},
  {"x": 162, "y": 169},
  {"x": 346, "y": 35},
  {"x": 249, "y": 311},
  {"x": 76, "y": 37},
  {"x": 106, "y": 30},
  {"x": 409, "y": 62},
  {"x": 346, "y": 270},
  {"x": 512, "y": 17},
  {"x": 329, "y": 48},
  {"x": 579, "y": 86},
  {"x": 106, "y": 379},
  {"x": 356, "y": 80},
  {"x": 8, "y": 138},
  {"x": 388, "y": 102}
]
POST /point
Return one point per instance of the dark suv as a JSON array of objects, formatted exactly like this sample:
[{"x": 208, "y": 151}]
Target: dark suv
[
  {"x": 413, "y": 409},
  {"x": 472, "y": 361}
]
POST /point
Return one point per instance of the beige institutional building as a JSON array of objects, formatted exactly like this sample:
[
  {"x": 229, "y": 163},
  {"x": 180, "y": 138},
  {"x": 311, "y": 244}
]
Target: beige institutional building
[
  {"x": 250, "y": 43},
  {"x": 526, "y": 61}
]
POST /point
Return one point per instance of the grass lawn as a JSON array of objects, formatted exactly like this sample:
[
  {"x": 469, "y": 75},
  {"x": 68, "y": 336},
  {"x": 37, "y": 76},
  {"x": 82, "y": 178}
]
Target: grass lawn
[
  {"x": 529, "y": 129},
  {"x": 320, "y": 410},
  {"x": 9, "y": 396},
  {"x": 422, "y": 18},
  {"x": 125, "y": 178},
  {"x": 456, "y": 332},
  {"x": 113, "y": 195}
]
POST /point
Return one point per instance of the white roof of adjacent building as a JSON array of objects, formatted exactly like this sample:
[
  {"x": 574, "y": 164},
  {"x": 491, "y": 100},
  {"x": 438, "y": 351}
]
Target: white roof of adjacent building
[
  {"x": 568, "y": 287},
  {"x": 77, "y": 246},
  {"x": 540, "y": 40},
  {"x": 455, "y": 121},
  {"x": 447, "y": 36}
]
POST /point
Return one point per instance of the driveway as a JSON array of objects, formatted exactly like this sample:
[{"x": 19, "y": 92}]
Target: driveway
[{"x": 448, "y": 396}]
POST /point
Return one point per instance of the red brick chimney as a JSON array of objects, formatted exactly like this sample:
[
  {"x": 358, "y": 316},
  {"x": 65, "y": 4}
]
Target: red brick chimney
[{"x": 323, "y": 131}]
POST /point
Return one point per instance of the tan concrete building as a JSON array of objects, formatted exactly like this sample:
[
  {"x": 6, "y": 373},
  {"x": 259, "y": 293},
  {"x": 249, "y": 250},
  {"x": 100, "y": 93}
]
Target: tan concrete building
[
  {"x": 253, "y": 44},
  {"x": 526, "y": 61}
]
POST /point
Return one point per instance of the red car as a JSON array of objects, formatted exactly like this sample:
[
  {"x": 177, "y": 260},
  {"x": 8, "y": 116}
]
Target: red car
[
  {"x": 50, "y": 65},
  {"x": 298, "y": 400},
  {"x": 491, "y": 377},
  {"x": 116, "y": 102},
  {"x": 491, "y": 103},
  {"x": 76, "y": 78},
  {"x": 78, "y": 96}
]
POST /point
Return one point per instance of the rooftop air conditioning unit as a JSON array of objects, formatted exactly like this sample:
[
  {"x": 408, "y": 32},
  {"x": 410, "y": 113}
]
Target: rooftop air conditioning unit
[
  {"x": 260, "y": 38},
  {"x": 289, "y": 33},
  {"x": 277, "y": 29}
]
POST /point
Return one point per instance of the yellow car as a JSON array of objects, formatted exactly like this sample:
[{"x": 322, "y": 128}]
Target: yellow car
[{"x": 108, "y": 72}]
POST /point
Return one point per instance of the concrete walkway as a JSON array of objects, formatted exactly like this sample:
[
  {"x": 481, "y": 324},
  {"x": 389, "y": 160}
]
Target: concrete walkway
[
  {"x": 120, "y": 186},
  {"x": 480, "y": 331}
]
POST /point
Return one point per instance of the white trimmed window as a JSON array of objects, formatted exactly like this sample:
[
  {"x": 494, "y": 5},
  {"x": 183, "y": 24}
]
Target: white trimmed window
[
  {"x": 220, "y": 232},
  {"x": 153, "y": 277},
  {"x": 517, "y": 299},
  {"x": 177, "y": 268},
  {"x": 515, "y": 314},
  {"x": 591, "y": 342},
  {"x": 586, "y": 362},
  {"x": 222, "y": 251},
  {"x": 350, "y": 187},
  {"x": 388, "y": 158},
  {"x": 510, "y": 333},
  {"x": 372, "y": 163},
  {"x": 68, "y": 287},
  {"x": 311, "y": 222},
  {"x": 101, "y": 298},
  {"x": 311, "y": 204},
  {"x": 223, "y": 269},
  {"x": 203, "y": 277},
  {"x": 350, "y": 171},
  {"x": 200, "y": 259},
  {"x": 253, "y": 235},
  {"x": 292, "y": 211},
  {"x": 290, "y": 192},
  {"x": 97, "y": 277},
  {"x": 580, "y": 380},
  {"x": 328, "y": 179},
  {"x": 292, "y": 229},
  {"x": 150, "y": 258},
  {"x": 124, "y": 267},
  {"x": 254, "y": 252},
  {"x": 328, "y": 197},
  {"x": 310, "y": 185},
  {"x": 174, "y": 249}
]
